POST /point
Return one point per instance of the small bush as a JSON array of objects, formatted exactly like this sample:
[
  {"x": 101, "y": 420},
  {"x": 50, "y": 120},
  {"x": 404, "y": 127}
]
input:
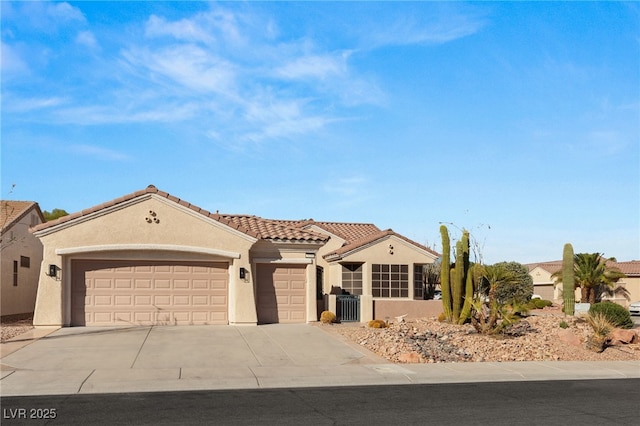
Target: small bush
[
  {"x": 601, "y": 329},
  {"x": 538, "y": 304},
  {"x": 377, "y": 324},
  {"x": 327, "y": 317},
  {"x": 617, "y": 315},
  {"x": 541, "y": 303},
  {"x": 563, "y": 324}
]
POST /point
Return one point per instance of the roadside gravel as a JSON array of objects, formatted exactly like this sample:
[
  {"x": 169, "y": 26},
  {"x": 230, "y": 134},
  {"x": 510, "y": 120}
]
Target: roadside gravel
[{"x": 540, "y": 339}]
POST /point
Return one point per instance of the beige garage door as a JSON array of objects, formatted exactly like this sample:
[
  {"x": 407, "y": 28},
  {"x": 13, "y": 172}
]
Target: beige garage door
[
  {"x": 281, "y": 293},
  {"x": 109, "y": 292}
]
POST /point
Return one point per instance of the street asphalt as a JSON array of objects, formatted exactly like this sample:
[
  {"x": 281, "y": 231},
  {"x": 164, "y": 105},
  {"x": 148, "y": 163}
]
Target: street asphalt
[{"x": 90, "y": 360}]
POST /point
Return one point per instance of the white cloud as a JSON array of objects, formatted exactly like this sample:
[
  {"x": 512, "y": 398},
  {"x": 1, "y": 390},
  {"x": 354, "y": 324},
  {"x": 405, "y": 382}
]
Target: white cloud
[
  {"x": 94, "y": 115},
  {"x": 11, "y": 62},
  {"x": 314, "y": 66},
  {"x": 438, "y": 24},
  {"x": 64, "y": 12},
  {"x": 184, "y": 29},
  {"x": 22, "y": 105},
  {"x": 188, "y": 65},
  {"x": 232, "y": 72},
  {"x": 86, "y": 38}
]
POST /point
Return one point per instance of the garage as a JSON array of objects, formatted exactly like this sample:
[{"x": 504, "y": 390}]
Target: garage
[
  {"x": 148, "y": 292},
  {"x": 281, "y": 293}
]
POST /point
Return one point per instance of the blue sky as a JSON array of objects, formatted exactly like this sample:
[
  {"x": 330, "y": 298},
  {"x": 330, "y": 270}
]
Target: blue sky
[{"x": 518, "y": 121}]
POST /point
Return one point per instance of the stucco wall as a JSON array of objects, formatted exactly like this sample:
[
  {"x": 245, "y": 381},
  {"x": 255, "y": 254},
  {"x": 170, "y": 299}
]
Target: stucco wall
[
  {"x": 390, "y": 250},
  {"x": 389, "y": 309},
  {"x": 18, "y": 241},
  {"x": 148, "y": 227}
]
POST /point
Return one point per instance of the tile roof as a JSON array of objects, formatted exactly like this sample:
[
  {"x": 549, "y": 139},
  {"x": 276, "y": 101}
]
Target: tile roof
[
  {"x": 630, "y": 268},
  {"x": 250, "y": 225},
  {"x": 551, "y": 266},
  {"x": 274, "y": 229},
  {"x": 13, "y": 211},
  {"x": 349, "y": 232}
]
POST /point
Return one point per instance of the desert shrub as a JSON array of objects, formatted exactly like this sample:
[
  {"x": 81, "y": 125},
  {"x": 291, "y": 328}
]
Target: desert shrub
[
  {"x": 563, "y": 324},
  {"x": 538, "y": 304},
  {"x": 541, "y": 303},
  {"x": 520, "y": 289},
  {"x": 617, "y": 315},
  {"x": 601, "y": 328},
  {"x": 327, "y": 317},
  {"x": 377, "y": 324}
]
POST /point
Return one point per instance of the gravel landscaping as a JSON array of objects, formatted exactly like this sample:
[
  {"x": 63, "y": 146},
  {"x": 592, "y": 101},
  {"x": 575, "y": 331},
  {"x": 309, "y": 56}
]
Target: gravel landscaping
[
  {"x": 15, "y": 325},
  {"x": 539, "y": 337}
]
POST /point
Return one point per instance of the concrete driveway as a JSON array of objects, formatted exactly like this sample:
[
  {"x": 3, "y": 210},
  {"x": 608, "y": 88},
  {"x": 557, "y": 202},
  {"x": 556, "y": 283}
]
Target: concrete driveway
[{"x": 99, "y": 359}]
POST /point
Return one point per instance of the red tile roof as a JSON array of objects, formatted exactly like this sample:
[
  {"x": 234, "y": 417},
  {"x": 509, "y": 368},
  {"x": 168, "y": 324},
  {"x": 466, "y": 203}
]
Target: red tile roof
[
  {"x": 630, "y": 268},
  {"x": 349, "y": 232},
  {"x": 251, "y": 225},
  {"x": 274, "y": 229},
  {"x": 12, "y": 212}
]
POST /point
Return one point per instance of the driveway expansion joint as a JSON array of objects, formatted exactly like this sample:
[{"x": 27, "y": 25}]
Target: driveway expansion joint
[{"x": 85, "y": 381}]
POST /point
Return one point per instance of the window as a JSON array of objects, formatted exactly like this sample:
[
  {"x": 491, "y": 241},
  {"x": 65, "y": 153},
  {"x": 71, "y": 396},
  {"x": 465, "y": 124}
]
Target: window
[
  {"x": 352, "y": 278},
  {"x": 25, "y": 262},
  {"x": 418, "y": 282},
  {"x": 390, "y": 280},
  {"x": 15, "y": 273},
  {"x": 319, "y": 282}
]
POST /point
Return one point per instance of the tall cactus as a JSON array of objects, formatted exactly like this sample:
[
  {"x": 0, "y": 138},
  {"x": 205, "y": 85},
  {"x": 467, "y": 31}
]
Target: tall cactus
[
  {"x": 445, "y": 282},
  {"x": 457, "y": 282},
  {"x": 568, "y": 280},
  {"x": 468, "y": 293}
]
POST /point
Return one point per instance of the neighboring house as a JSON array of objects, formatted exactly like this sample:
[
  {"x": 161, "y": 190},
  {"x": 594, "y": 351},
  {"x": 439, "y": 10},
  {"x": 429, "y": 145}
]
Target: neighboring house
[
  {"x": 151, "y": 258},
  {"x": 545, "y": 286},
  {"x": 21, "y": 255}
]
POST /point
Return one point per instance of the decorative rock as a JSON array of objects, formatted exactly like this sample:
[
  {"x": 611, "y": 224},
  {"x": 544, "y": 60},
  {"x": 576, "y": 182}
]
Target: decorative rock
[
  {"x": 409, "y": 357},
  {"x": 622, "y": 337},
  {"x": 567, "y": 336}
]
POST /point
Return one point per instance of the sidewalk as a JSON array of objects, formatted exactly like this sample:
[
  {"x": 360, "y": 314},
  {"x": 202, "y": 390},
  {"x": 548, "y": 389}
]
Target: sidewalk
[{"x": 143, "y": 359}]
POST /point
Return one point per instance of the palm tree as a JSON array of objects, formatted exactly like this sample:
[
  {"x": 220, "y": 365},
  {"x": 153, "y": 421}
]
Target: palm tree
[
  {"x": 594, "y": 276},
  {"x": 485, "y": 319}
]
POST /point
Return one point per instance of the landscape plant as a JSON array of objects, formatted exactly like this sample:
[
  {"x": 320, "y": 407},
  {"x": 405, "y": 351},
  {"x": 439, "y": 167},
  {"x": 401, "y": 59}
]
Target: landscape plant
[
  {"x": 616, "y": 314},
  {"x": 493, "y": 316},
  {"x": 516, "y": 290},
  {"x": 327, "y": 317},
  {"x": 592, "y": 273},
  {"x": 456, "y": 281},
  {"x": 568, "y": 282},
  {"x": 602, "y": 327}
]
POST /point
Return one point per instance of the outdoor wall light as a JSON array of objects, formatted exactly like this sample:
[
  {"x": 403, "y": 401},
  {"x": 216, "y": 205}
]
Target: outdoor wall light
[
  {"x": 243, "y": 273},
  {"x": 54, "y": 271}
]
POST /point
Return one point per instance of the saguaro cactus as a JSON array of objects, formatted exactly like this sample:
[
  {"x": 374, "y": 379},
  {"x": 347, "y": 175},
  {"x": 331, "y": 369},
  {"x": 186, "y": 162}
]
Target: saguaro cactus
[
  {"x": 568, "y": 281},
  {"x": 456, "y": 282},
  {"x": 445, "y": 264}
]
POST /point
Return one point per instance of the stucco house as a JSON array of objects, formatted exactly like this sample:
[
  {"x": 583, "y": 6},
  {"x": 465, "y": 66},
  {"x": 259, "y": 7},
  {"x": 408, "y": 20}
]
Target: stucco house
[
  {"x": 151, "y": 258},
  {"x": 21, "y": 255},
  {"x": 545, "y": 286}
]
